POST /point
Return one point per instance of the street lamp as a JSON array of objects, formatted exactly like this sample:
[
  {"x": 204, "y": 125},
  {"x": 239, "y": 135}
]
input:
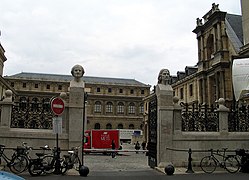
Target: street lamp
[{"x": 83, "y": 170}]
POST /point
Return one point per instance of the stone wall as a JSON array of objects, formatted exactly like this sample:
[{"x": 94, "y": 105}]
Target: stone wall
[
  {"x": 173, "y": 143},
  {"x": 72, "y": 123}
]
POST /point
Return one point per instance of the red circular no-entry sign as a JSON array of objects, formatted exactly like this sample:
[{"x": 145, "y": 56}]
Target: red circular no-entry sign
[{"x": 57, "y": 106}]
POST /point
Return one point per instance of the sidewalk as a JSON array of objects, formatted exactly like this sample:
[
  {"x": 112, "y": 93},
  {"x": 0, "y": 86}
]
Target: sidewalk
[{"x": 196, "y": 170}]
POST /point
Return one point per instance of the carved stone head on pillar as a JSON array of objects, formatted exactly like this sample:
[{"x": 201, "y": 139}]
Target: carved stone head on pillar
[
  {"x": 164, "y": 77},
  {"x": 77, "y": 71}
]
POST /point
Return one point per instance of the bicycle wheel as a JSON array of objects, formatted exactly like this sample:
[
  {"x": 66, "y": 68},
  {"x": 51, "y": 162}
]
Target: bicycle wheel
[
  {"x": 208, "y": 164},
  {"x": 76, "y": 164},
  {"x": 48, "y": 162},
  {"x": 232, "y": 165},
  {"x": 64, "y": 167},
  {"x": 35, "y": 168},
  {"x": 19, "y": 164}
]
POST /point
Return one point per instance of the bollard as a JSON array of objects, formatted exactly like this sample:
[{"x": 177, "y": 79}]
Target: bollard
[
  {"x": 189, "y": 170},
  {"x": 169, "y": 170}
]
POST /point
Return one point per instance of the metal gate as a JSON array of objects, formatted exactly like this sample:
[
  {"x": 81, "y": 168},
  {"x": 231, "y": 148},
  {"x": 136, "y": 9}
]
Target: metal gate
[{"x": 152, "y": 128}]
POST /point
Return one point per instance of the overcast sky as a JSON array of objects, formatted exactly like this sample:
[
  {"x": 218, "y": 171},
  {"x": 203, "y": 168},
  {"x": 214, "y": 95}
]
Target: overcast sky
[{"x": 131, "y": 39}]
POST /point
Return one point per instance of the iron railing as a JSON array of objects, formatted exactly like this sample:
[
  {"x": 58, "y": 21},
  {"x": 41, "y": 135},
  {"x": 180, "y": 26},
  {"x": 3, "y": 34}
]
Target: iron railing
[
  {"x": 32, "y": 114},
  {"x": 199, "y": 117},
  {"x": 238, "y": 119}
]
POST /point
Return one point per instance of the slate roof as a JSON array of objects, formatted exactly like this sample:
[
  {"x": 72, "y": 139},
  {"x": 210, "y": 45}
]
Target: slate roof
[
  {"x": 234, "y": 30},
  {"x": 68, "y": 78}
]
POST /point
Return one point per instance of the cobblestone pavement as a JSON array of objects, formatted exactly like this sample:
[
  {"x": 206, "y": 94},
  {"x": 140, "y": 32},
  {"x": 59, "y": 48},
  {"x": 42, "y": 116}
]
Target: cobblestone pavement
[{"x": 124, "y": 161}]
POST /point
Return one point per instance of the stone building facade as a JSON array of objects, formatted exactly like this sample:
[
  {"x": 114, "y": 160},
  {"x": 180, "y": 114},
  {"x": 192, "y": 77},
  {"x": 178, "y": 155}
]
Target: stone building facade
[
  {"x": 112, "y": 103},
  {"x": 245, "y": 24},
  {"x": 3, "y": 85},
  {"x": 219, "y": 39}
]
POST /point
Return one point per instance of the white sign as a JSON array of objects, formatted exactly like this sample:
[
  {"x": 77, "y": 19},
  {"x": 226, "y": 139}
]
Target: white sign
[
  {"x": 240, "y": 75},
  {"x": 57, "y": 125}
]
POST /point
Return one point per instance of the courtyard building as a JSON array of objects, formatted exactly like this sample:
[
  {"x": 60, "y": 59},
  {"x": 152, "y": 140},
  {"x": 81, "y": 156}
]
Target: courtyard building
[
  {"x": 112, "y": 103},
  {"x": 219, "y": 38}
]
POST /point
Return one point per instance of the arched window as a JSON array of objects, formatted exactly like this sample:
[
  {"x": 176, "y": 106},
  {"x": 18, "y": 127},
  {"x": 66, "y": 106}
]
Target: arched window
[
  {"x": 210, "y": 46},
  {"x": 120, "y": 126},
  {"x": 23, "y": 103},
  {"x": 131, "y": 108},
  {"x": 120, "y": 109},
  {"x": 97, "y": 126},
  {"x": 131, "y": 126},
  {"x": 109, "y": 107},
  {"x": 108, "y": 126},
  {"x": 34, "y": 104},
  {"x": 97, "y": 107}
]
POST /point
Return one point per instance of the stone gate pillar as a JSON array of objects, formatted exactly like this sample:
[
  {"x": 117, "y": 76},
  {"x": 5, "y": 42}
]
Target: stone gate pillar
[
  {"x": 164, "y": 93},
  {"x": 76, "y": 107},
  {"x": 6, "y": 104}
]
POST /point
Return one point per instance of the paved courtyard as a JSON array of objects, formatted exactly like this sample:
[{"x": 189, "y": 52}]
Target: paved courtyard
[{"x": 124, "y": 161}]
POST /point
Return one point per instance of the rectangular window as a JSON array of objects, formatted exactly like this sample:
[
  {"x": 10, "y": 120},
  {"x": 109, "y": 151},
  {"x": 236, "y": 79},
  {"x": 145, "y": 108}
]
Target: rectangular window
[
  {"x": 120, "y": 109},
  {"x": 36, "y": 85},
  {"x": 142, "y": 91},
  {"x": 98, "y": 89},
  {"x": 48, "y": 86},
  {"x": 181, "y": 93},
  {"x": 109, "y": 90},
  {"x": 132, "y": 91},
  {"x": 131, "y": 109},
  {"x": 97, "y": 108},
  {"x": 141, "y": 109},
  {"x": 12, "y": 84},
  {"x": 60, "y": 87},
  {"x": 109, "y": 108},
  {"x": 120, "y": 90},
  {"x": 191, "y": 90},
  {"x": 24, "y": 85}
]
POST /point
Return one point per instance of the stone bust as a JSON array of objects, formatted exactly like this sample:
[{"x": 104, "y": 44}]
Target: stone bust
[
  {"x": 164, "y": 77},
  {"x": 77, "y": 72}
]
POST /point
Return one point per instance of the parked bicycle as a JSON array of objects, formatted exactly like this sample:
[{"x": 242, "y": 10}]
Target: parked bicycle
[
  {"x": 24, "y": 151},
  {"x": 71, "y": 160},
  {"x": 44, "y": 163},
  {"x": 17, "y": 163},
  {"x": 243, "y": 158},
  {"x": 229, "y": 162}
]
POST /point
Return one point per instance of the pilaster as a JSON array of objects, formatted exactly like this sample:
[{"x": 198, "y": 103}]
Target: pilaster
[
  {"x": 165, "y": 123},
  {"x": 76, "y": 109}
]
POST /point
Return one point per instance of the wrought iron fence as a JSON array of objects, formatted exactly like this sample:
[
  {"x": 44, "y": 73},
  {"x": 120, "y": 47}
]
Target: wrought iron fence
[
  {"x": 152, "y": 138},
  {"x": 32, "y": 114},
  {"x": 199, "y": 117},
  {"x": 238, "y": 119}
]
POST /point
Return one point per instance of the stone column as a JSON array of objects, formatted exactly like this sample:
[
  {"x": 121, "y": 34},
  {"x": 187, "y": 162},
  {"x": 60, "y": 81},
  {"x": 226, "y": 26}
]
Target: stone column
[
  {"x": 165, "y": 123},
  {"x": 6, "y": 110},
  {"x": 76, "y": 107},
  {"x": 75, "y": 125}
]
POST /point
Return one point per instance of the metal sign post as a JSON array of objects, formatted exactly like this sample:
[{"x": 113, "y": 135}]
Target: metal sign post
[{"x": 57, "y": 106}]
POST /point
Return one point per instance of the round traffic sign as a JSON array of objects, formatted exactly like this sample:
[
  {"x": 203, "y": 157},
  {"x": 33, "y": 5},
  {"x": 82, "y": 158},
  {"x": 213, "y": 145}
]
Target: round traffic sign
[{"x": 57, "y": 106}]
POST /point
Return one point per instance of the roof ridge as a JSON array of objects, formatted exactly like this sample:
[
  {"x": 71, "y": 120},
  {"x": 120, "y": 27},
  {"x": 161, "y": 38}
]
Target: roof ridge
[
  {"x": 89, "y": 79},
  {"x": 71, "y": 75}
]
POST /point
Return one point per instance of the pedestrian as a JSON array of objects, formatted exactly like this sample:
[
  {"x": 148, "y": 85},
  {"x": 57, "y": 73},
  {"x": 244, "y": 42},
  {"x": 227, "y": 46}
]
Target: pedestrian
[
  {"x": 137, "y": 146},
  {"x": 113, "y": 149}
]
